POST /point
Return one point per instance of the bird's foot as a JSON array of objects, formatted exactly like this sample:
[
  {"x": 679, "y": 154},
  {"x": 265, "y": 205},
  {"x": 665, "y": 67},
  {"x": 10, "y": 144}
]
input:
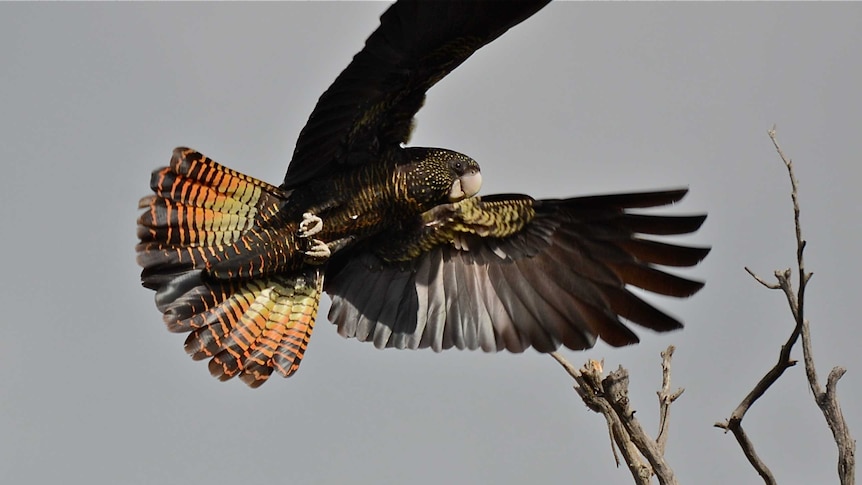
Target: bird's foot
[
  {"x": 317, "y": 252},
  {"x": 310, "y": 225}
]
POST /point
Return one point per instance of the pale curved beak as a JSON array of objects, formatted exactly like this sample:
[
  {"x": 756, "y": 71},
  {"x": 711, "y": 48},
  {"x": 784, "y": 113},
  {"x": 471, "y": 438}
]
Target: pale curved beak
[{"x": 466, "y": 186}]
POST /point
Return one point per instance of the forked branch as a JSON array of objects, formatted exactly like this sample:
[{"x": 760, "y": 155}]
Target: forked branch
[
  {"x": 609, "y": 397},
  {"x": 826, "y": 400}
]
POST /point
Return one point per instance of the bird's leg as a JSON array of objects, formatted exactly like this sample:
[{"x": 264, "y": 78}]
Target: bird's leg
[{"x": 342, "y": 243}]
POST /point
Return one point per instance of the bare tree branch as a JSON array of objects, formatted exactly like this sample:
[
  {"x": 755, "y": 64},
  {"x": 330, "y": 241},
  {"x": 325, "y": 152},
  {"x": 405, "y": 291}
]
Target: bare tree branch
[
  {"x": 616, "y": 386},
  {"x": 609, "y": 396},
  {"x": 734, "y": 423},
  {"x": 589, "y": 387},
  {"x": 826, "y": 400}
]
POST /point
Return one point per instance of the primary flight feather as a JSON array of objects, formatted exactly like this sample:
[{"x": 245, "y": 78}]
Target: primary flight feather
[{"x": 397, "y": 236}]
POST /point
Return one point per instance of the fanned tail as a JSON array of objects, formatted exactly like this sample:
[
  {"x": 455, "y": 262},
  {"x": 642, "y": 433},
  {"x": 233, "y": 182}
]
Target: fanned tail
[{"x": 210, "y": 250}]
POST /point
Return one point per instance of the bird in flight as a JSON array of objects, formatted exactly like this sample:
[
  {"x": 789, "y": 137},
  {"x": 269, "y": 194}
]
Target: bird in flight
[{"x": 410, "y": 255}]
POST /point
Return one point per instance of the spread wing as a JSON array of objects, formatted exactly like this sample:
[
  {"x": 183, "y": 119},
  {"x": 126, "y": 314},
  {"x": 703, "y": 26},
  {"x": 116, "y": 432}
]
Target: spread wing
[
  {"x": 370, "y": 106},
  {"x": 517, "y": 273}
]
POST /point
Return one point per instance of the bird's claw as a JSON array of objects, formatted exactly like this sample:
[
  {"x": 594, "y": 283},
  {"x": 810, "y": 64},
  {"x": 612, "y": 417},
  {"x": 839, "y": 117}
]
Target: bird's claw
[
  {"x": 317, "y": 252},
  {"x": 310, "y": 225}
]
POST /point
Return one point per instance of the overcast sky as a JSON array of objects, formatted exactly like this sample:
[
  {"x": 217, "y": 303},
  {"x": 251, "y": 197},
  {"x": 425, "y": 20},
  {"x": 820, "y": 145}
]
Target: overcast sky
[{"x": 579, "y": 99}]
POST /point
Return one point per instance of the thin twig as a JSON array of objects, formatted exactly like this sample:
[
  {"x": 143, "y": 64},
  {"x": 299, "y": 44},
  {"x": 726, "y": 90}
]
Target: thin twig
[
  {"x": 771, "y": 286},
  {"x": 665, "y": 399}
]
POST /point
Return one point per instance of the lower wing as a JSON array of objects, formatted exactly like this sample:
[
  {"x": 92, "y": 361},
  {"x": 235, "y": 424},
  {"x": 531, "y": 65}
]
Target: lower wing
[{"x": 510, "y": 272}]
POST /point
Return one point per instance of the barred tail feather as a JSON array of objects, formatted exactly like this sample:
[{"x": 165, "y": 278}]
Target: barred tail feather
[
  {"x": 247, "y": 328},
  {"x": 198, "y": 208}
]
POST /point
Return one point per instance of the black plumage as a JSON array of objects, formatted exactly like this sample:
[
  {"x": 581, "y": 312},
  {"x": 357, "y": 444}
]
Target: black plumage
[{"x": 397, "y": 236}]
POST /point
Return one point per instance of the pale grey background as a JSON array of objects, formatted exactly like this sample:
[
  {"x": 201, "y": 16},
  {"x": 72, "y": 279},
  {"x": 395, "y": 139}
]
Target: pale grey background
[{"x": 581, "y": 98}]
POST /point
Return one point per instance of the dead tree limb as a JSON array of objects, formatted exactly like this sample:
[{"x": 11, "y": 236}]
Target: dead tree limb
[
  {"x": 609, "y": 397},
  {"x": 826, "y": 400}
]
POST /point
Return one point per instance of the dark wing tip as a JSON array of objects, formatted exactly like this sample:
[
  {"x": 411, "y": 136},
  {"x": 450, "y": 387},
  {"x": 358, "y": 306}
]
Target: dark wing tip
[
  {"x": 664, "y": 225},
  {"x": 627, "y": 200}
]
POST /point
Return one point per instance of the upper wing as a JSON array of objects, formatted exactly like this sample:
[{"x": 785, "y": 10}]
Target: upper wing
[
  {"x": 371, "y": 104},
  {"x": 555, "y": 274}
]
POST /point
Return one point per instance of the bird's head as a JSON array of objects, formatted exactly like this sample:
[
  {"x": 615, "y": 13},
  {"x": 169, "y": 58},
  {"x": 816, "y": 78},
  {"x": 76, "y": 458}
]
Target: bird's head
[
  {"x": 436, "y": 175},
  {"x": 468, "y": 177}
]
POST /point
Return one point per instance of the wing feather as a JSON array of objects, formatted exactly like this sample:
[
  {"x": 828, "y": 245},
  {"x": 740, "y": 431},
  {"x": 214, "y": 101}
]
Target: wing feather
[{"x": 436, "y": 316}]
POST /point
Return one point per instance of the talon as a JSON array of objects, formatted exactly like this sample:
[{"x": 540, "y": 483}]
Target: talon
[
  {"x": 310, "y": 225},
  {"x": 317, "y": 252}
]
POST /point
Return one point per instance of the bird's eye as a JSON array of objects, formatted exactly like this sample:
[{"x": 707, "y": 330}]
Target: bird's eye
[{"x": 457, "y": 165}]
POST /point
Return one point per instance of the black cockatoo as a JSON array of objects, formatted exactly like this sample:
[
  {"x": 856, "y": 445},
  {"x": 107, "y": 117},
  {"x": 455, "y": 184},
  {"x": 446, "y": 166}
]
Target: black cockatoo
[{"x": 396, "y": 235}]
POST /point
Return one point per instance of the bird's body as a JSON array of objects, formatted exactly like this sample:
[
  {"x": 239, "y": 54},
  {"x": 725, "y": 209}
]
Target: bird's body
[
  {"x": 364, "y": 200},
  {"x": 411, "y": 256}
]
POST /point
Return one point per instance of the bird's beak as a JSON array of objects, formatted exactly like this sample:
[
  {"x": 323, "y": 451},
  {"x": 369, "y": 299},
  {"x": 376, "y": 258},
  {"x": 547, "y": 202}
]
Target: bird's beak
[{"x": 466, "y": 186}]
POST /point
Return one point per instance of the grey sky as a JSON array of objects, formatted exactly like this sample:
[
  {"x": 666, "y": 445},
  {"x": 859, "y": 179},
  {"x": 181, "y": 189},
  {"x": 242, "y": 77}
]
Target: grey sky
[{"x": 581, "y": 98}]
